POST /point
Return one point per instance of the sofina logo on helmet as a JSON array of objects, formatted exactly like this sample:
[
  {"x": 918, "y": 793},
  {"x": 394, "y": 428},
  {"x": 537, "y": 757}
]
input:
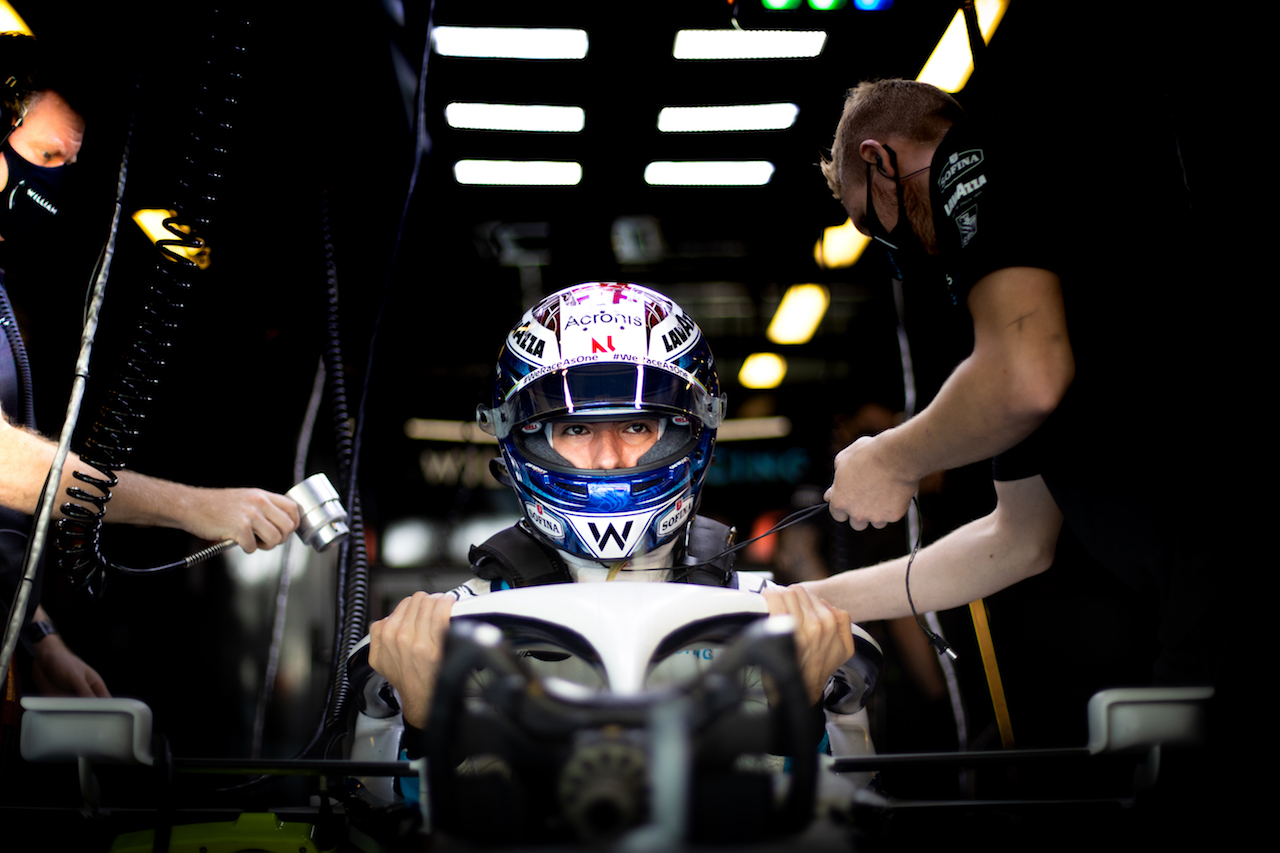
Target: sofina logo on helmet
[
  {"x": 676, "y": 517},
  {"x": 545, "y": 521}
]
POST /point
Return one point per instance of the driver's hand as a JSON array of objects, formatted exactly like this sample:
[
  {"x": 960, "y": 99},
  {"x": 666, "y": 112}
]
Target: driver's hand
[
  {"x": 406, "y": 648},
  {"x": 824, "y": 636}
]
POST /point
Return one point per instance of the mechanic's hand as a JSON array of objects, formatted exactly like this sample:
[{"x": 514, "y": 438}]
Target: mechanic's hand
[
  {"x": 866, "y": 489},
  {"x": 824, "y": 637},
  {"x": 58, "y": 671},
  {"x": 406, "y": 649},
  {"x": 255, "y": 518}
]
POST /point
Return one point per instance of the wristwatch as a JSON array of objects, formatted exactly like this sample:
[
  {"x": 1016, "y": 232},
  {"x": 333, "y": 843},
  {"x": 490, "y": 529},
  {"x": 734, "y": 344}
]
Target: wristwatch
[{"x": 34, "y": 632}]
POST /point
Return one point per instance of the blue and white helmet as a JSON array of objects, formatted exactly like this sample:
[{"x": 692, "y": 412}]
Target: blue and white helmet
[{"x": 606, "y": 351}]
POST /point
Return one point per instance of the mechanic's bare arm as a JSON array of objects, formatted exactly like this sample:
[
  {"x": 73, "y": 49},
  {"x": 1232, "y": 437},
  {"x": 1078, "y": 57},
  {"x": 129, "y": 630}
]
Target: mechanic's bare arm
[
  {"x": 1019, "y": 370},
  {"x": 1015, "y": 541},
  {"x": 253, "y": 517}
]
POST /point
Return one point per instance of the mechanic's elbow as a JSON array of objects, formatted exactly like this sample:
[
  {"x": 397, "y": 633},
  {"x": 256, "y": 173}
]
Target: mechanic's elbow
[
  {"x": 1040, "y": 388},
  {"x": 1040, "y": 558}
]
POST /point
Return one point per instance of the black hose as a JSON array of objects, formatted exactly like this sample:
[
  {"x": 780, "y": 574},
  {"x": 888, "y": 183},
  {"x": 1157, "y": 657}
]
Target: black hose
[
  {"x": 129, "y": 399},
  {"x": 354, "y": 587},
  {"x": 352, "y": 583}
]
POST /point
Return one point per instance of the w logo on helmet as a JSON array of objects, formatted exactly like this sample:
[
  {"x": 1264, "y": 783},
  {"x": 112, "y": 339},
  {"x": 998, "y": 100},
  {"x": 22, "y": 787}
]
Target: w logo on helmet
[{"x": 610, "y": 532}]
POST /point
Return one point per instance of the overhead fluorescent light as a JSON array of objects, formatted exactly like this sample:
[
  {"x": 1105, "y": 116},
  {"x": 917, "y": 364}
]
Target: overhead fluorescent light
[
  {"x": 840, "y": 246},
  {"x": 762, "y": 370},
  {"x": 537, "y": 117},
  {"x": 748, "y": 44},
  {"x": 705, "y": 173},
  {"x": 798, "y": 314},
  {"x": 510, "y": 42},
  {"x": 11, "y": 21},
  {"x": 518, "y": 172},
  {"x": 951, "y": 62},
  {"x": 746, "y": 117}
]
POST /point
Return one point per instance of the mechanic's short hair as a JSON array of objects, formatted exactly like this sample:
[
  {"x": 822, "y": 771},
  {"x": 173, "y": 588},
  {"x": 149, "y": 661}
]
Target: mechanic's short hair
[{"x": 878, "y": 109}]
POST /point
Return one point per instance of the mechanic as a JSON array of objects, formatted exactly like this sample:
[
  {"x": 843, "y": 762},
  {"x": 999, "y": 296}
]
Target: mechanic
[
  {"x": 614, "y": 385},
  {"x": 1074, "y": 435},
  {"x": 42, "y": 138}
]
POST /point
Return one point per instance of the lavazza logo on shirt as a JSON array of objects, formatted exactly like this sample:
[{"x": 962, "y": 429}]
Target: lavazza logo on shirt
[
  {"x": 965, "y": 189},
  {"x": 959, "y": 164}
]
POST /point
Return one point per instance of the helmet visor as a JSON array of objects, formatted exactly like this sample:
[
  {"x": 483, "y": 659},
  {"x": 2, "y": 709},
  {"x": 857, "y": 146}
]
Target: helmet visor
[{"x": 603, "y": 389}]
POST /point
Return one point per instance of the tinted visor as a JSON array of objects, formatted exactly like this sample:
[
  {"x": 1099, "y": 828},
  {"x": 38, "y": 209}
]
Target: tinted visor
[{"x": 603, "y": 389}]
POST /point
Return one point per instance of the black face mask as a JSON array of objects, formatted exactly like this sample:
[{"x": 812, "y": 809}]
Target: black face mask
[
  {"x": 906, "y": 252},
  {"x": 31, "y": 198}
]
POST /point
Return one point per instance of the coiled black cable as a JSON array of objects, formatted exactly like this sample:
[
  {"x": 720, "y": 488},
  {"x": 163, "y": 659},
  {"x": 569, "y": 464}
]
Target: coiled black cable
[
  {"x": 114, "y": 431},
  {"x": 354, "y": 617},
  {"x": 353, "y": 567}
]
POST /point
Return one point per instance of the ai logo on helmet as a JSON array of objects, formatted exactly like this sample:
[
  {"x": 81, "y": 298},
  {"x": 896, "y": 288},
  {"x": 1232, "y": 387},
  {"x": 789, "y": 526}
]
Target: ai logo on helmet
[{"x": 544, "y": 521}]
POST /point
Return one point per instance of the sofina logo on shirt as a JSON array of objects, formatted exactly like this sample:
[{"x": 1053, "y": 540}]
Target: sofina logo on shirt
[{"x": 957, "y": 164}]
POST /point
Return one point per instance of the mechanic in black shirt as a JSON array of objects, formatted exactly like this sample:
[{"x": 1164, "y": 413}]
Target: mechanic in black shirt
[
  {"x": 1057, "y": 410},
  {"x": 40, "y": 138}
]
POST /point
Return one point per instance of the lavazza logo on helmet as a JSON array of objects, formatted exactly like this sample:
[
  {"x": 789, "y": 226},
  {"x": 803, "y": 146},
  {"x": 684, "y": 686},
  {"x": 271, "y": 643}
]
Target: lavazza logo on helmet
[
  {"x": 677, "y": 333},
  {"x": 533, "y": 345}
]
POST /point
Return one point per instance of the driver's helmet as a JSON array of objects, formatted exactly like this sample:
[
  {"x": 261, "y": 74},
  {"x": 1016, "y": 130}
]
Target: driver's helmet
[{"x": 606, "y": 351}]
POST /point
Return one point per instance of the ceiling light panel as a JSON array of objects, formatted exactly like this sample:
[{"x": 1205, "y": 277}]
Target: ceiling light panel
[
  {"x": 799, "y": 313},
  {"x": 510, "y": 42},
  {"x": 763, "y": 370},
  {"x": 517, "y": 172},
  {"x": 749, "y": 44},
  {"x": 840, "y": 246},
  {"x": 533, "y": 117},
  {"x": 745, "y": 117},
  {"x": 708, "y": 173},
  {"x": 951, "y": 62}
]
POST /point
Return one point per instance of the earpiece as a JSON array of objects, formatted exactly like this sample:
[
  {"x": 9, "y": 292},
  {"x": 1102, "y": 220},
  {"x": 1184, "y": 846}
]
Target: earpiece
[{"x": 10, "y": 103}]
